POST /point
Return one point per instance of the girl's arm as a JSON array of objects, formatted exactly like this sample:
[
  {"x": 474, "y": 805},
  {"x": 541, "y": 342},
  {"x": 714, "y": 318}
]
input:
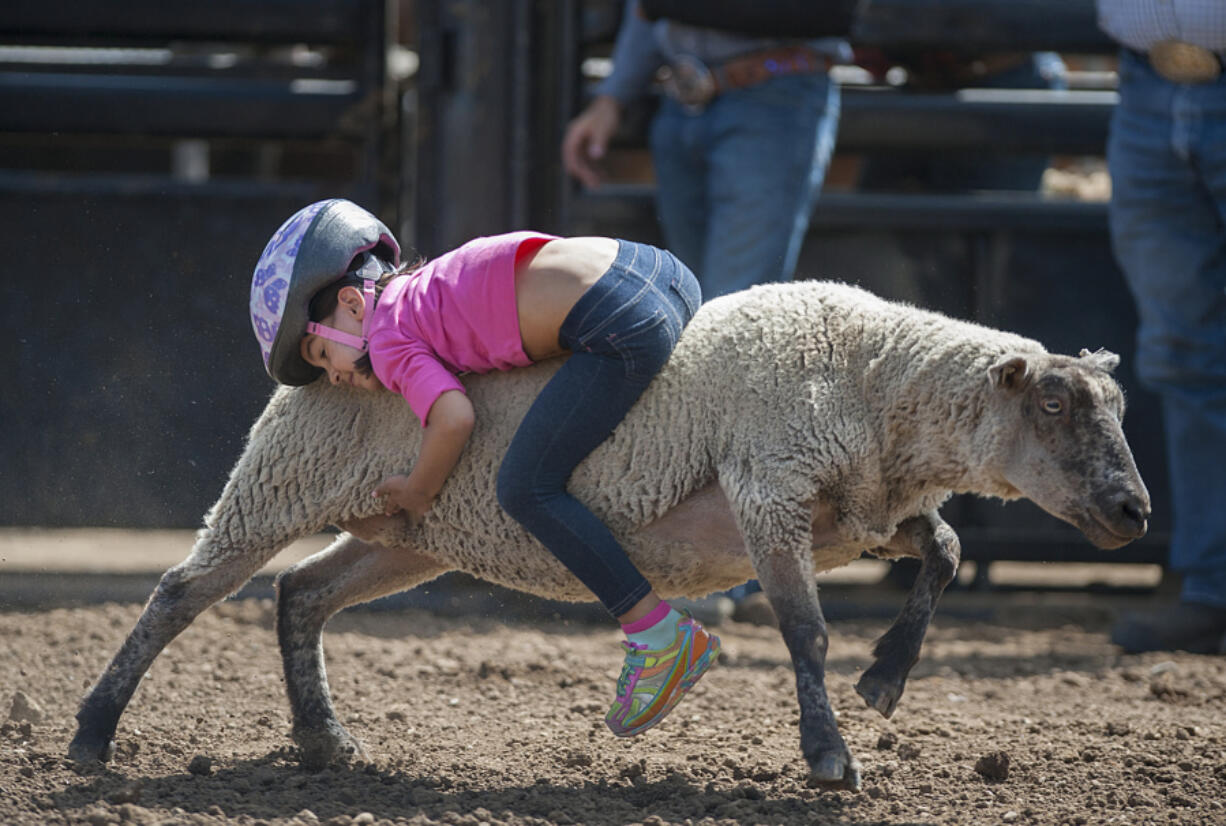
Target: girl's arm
[{"x": 448, "y": 426}]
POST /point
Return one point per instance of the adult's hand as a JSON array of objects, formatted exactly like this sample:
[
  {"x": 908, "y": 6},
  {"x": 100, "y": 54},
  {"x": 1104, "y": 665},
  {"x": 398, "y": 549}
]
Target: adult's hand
[{"x": 587, "y": 139}]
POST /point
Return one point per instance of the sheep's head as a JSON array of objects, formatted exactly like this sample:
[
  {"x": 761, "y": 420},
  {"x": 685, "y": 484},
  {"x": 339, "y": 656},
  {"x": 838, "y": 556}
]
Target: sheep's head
[{"x": 1065, "y": 447}]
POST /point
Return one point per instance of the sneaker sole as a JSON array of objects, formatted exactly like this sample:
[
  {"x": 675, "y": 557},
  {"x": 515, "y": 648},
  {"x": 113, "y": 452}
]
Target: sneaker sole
[{"x": 688, "y": 681}]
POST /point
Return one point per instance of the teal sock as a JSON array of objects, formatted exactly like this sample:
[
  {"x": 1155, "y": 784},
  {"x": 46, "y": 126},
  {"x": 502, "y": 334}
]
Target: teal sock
[{"x": 659, "y": 634}]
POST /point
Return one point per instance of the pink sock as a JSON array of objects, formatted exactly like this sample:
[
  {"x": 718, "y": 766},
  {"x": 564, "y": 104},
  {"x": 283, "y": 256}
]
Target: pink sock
[
  {"x": 638, "y": 626},
  {"x": 655, "y": 631}
]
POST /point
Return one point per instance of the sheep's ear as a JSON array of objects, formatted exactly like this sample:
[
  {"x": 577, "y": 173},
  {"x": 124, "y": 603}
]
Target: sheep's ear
[
  {"x": 1011, "y": 374},
  {"x": 1102, "y": 359}
]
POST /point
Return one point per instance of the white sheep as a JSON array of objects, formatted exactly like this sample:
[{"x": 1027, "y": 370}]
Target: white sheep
[{"x": 795, "y": 427}]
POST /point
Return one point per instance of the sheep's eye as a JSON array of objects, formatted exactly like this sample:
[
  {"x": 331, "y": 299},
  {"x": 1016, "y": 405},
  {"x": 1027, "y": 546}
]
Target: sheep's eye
[{"x": 1052, "y": 406}]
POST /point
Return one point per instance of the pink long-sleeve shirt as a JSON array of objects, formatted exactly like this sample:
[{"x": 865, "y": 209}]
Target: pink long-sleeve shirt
[{"x": 456, "y": 314}]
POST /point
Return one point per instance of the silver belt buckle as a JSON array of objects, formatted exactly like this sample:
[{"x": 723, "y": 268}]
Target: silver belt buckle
[
  {"x": 690, "y": 82},
  {"x": 1181, "y": 62}
]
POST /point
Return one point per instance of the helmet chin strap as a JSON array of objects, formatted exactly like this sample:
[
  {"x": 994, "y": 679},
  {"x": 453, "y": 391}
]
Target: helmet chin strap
[{"x": 349, "y": 339}]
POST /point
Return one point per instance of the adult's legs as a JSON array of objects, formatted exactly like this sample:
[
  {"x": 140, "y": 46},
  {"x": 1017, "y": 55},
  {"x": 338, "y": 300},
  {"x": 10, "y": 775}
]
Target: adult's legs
[
  {"x": 1167, "y": 155},
  {"x": 679, "y": 156},
  {"x": 741, "y": 177},
  {"x": 770, "y": 146}
]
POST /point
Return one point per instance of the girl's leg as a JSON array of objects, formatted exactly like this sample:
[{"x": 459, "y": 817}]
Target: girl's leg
[
  {"x": 575, "y": 412},
  {"x": 621, "y": 333}
]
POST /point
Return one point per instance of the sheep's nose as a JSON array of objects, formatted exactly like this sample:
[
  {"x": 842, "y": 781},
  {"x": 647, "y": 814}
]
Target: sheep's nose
[{"x": 1132, "y": 512}]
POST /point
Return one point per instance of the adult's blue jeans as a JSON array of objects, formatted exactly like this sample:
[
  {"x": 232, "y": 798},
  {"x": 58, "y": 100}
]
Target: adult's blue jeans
[
  {"x": 620, "y": 333},
  {"x": 1167, "y": 157},
  {"x": 736, "y": 182}
]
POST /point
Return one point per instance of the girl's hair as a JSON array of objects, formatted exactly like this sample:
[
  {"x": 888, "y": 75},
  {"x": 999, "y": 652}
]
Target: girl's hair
[{"x": 324, "y": 302}]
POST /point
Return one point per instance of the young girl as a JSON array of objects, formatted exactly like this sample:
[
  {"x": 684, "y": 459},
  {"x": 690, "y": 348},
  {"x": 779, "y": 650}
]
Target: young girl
[{"x": 329, "y": 298}]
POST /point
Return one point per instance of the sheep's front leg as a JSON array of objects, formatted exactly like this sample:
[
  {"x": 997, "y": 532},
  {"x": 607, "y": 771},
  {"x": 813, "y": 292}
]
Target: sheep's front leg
[
  {"x": 779, "y": 539},
  {"x": 214, "y": 569},
  {"x": 931, "y": 539},
  {"x": 347, "y": 572}
]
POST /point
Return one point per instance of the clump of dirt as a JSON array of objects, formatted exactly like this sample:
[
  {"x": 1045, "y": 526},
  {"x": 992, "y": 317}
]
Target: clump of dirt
[
  {"x": 994, "y": 765},
  {"x": 475, "y": 721}
]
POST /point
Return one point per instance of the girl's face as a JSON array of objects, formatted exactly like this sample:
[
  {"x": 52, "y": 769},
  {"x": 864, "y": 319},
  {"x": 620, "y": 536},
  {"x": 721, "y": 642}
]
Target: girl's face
[{"x": 336, "y": 359}]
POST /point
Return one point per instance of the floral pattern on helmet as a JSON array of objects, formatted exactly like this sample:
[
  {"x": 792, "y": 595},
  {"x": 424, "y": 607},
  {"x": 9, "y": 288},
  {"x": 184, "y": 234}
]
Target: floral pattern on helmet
[{"x": 273, "y": 273}]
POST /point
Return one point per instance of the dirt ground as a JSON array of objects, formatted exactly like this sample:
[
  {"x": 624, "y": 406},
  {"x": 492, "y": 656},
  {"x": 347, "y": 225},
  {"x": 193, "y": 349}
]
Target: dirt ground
[{"x": 1020, "y": 711}]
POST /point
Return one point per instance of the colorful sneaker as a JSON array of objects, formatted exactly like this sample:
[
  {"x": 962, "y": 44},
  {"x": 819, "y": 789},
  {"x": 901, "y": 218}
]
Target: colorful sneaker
[{"x": 652, "y": 682}]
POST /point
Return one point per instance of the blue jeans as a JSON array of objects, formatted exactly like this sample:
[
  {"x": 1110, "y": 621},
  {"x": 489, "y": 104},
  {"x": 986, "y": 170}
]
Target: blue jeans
[
  {"x": 620, "y": 333},
  {"x": 1167, "y": 157},
  {"x": 736, "y": 182}
]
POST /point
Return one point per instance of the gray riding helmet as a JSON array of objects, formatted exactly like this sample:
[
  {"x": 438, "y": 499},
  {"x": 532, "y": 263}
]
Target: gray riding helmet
[{"x": 314, "y": 248}]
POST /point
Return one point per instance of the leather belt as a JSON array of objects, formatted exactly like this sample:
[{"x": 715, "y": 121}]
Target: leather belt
[
  {"x": 1181, "y": 62},
  {"x": 693, "y": 84}
]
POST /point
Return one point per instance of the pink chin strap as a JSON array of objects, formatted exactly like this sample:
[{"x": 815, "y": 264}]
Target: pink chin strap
[{"x": 348, "y": 339}]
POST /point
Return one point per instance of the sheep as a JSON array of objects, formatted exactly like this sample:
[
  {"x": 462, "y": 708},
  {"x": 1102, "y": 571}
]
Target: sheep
[{"x": 795, "y": 427}]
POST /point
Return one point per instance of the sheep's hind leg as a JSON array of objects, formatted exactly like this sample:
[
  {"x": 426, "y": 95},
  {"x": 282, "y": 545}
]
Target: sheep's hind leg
[
  {"x": 898, "y": 650},
  {"x": 347, "y": 572},
  {"x": 212, "y": 571},
  {"x": 787, "y": 574}
]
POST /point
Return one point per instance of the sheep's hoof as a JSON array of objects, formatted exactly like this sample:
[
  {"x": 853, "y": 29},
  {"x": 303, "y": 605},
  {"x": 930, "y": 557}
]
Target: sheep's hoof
[
  {"x": 87, "y": 748},
  {"x": 880, "y": 694},
  {"x": 322, "y": 747},
  {"x": 835, "y": 771}
]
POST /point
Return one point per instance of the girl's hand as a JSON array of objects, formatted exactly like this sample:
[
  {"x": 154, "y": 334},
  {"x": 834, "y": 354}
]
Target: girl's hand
[
  {"x": 400, "y": 495},
  {"x": 448, "y": 424}
]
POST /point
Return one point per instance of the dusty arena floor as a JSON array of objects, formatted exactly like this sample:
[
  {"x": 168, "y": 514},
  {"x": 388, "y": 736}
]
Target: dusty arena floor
[{"x": 1019, "y": 712}]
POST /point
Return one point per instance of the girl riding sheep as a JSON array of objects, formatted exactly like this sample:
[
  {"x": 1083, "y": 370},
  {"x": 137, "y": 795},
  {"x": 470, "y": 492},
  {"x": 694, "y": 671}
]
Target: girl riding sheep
[{"x": 330, "y": 297}]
